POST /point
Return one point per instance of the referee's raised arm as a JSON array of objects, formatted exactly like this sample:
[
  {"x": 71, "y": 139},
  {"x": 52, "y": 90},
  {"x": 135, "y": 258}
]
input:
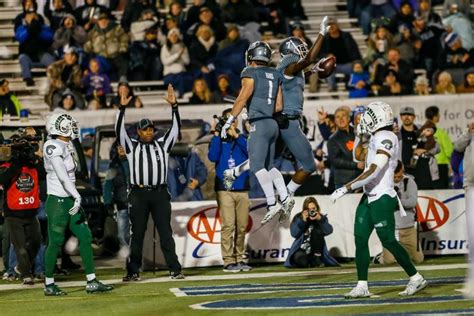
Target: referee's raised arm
[
  {"x": 120, "y": 131},
  {"x": 171, "y": 136}
]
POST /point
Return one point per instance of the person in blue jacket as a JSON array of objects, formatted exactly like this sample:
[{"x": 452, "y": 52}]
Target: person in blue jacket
[
  {"x": 309, "y": 228},
  {"x": 186, "y": 175},
  {"x": 234, "y": 203}
]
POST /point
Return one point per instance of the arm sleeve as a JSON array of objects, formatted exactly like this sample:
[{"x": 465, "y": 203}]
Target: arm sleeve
[
  {"x": 201, "y": 171},
  {"x": 60, "y": 170},
  {"x": 8, "y": 173},
  {"x": 380, "y": 161},
  {"x": 410, "y": 195},
  {"x": 171, "y": 136},
  {"x": 241, "y": 142},
  {"x": 333, "y": 157},
  {"x": 325, "y": 226},
  {"x": 214, "y": 152},
  {"x": 297, "y": 227},
  {"x": 121, "y": 133},
  {"x": 324, "y": 131}
]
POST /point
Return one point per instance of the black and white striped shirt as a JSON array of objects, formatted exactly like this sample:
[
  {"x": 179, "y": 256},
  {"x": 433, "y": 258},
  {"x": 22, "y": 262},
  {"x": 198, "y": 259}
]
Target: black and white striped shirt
[{"x": 148, "y": 161}]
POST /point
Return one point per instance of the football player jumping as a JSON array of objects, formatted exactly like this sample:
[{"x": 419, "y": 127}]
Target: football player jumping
[{"x": 379, "y": 202}]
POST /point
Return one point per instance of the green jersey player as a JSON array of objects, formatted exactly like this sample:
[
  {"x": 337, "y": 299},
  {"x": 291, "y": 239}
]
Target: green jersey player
[
  {"x": 379, "y": 202},
  {"x": 63, "y": 205}
]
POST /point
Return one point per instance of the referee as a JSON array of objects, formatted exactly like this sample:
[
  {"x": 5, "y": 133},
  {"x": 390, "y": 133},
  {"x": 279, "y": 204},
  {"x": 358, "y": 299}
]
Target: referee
[{"x": 148, "y": 160}]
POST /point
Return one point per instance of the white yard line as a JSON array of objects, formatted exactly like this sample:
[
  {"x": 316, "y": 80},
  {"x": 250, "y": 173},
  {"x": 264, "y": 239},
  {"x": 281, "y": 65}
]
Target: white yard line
[{"x": 240, "y": 276}]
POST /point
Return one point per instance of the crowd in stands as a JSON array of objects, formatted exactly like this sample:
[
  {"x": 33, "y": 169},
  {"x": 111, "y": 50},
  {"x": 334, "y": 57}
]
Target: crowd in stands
[{"x": 85, "y": 46}]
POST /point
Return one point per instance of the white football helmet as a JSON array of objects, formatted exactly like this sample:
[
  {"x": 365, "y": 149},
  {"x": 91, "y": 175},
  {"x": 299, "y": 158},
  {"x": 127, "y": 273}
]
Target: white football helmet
[
  {"x": 62, "y": 124},
  {"x": 377, "y": 115}
]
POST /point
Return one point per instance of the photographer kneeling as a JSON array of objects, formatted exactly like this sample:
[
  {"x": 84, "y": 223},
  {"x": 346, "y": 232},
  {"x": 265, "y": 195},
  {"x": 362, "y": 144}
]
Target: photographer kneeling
[
  {"x": 309, "y": 229},
  {"x": 20, "y": 176}
]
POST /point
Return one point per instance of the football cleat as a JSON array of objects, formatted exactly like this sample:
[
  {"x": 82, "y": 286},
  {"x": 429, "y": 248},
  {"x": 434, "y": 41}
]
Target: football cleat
[
  {"x": 176, "y": 275},
  {"x": 414, "y": 287},
  {"x": 272, "y": 211},
  {"x": 358, "y": 292},
  {"x": 286, "y": 207},
  {"x": 131, "y": 277},
  {"x": 53, "y": 290},
  {"x": 96, "y": 286}
]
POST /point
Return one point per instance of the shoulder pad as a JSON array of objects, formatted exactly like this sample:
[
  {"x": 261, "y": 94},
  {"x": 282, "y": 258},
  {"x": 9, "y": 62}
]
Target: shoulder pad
[{"x": 248, "y": 72}]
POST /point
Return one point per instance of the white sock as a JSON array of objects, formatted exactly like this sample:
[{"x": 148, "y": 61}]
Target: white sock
[
  {"x": 416, "y": 277},
  {"x": 49, "y": 281},
  {"x": 279, "y": 183},
  {"x": 363, "y": 284},
  {"x": 292, "y": 187},
  {"x": 90, "y": 277},
  {"x": 244, "y": 166},
  {"x": 265, "y": 180}
]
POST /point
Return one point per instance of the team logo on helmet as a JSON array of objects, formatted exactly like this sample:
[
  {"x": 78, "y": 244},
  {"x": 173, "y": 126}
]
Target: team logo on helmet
[{"x": 293, "y": 45}]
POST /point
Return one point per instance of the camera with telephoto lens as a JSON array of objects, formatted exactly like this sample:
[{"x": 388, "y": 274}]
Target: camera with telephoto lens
[
  {"x": 220, "y": 122},
  {"x": 20, "y": 148}
]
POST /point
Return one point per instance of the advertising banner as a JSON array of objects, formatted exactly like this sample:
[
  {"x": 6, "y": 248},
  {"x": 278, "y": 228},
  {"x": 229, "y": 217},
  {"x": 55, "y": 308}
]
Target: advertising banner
[{"x": 197, "y": 225}]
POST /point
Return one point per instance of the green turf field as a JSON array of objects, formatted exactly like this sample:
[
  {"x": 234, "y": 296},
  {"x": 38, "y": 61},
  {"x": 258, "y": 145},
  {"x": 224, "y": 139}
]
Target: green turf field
[{"x": 267, "y": 290}]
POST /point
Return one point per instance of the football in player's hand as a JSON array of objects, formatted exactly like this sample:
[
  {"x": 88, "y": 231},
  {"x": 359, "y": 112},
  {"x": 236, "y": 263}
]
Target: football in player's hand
[{"x": 326, "y": 67}]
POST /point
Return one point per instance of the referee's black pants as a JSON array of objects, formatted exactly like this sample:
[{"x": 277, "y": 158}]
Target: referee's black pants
[{"x": 156, "y": 201}]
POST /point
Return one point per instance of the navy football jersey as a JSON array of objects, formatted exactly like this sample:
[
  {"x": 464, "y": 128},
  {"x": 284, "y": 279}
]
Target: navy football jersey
[
  {"x": 265, "y": 90},
  {"x": 292, "y": 87}
]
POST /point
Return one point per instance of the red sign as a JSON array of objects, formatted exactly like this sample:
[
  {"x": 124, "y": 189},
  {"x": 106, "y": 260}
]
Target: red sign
[{"x": 435, "y": 215}]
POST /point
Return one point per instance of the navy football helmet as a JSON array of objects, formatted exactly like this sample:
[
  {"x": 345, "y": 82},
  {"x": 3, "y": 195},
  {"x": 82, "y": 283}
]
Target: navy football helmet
[
  {"x": 293, "y": 45},
  {"x": 259, "y": 51}
]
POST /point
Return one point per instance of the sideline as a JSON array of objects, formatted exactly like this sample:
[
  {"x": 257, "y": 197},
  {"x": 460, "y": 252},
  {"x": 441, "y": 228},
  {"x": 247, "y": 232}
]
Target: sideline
[{"x": 241, "y": 276}]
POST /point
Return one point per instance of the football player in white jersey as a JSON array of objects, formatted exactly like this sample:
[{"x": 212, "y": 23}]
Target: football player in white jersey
[
  {"x": 63, "y": 205},
  {"x": 379, "y": 202}
]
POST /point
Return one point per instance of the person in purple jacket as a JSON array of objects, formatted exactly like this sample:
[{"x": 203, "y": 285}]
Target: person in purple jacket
[{"x": 97, "y": 85}]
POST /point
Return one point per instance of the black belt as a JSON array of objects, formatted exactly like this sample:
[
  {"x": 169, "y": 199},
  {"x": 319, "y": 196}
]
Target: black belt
[
  {"x": 149, "y": 187},
  {"x": 292, "y": 117}
]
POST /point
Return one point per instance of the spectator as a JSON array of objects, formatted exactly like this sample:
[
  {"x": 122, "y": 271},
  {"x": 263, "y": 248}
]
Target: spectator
[
  {"x": 403, "y": 16},
  {"x": 134, "y": 11},
  {"x": 408, "y": 137},
  {"x": 55, "y": 11},
  {"x": 239, "y": 12},
  {"x": 193, "y": 12},
  {"x": 462, "y": 6},
  {"x": 69, "y": 33},
  {"x": 422, "y": 86},
  {"x": 125, "y": 96},
  {"x": 406, "y": 226},
  {"x": 223, "y": 89},
  {"x": 468, "y": 85},
  {"x": 294, "y": 10},
  {"x": 201, "y": 93},
  {"x": 374, "y": 9},
  {"x": 9, "y": 103},
  {"x": 35, "y": 39},
  {"x": 465, "y": 144},
  {"x": 97, "y": 85},
  {"x": 309, "y": 227},
  {"x": 401, "y": 69},
  {"x": 177, "y": 13},
  {"x": 20, "y": 179},
  {"x": 343, "y": 46},
  {"x": 404, "y": 41},
  {"x": 175, "y": 57},
  {"x": 67, "y": 101},
  {"x": 233, "y": 204},
  {"x": 458, "y": 23},
  {"x": 115, "y": 192},
  {"x": 428, "y": 45},
  {"x": 446, "y": 146},
  {"x": 454, "y": 55},
  {"x": 146, "y": 37},
  {"x": 358, "y": 82},
  {"x": 425, "y": 10},
  {"x": 340, "y": 146},
  {"x": 427, "y": 172},
  {"x": 204, "y": 50},
  {"x": 391, "y": 86},
  {"x": 64, "y": 74},
  {"x": 445, "y": 84},
  {"x": 108, "y": 42},
  {"x": 186, "y": 174},
  {"x": 270, "y": 11},
  {"x": 207, "y": 18},
  {"x": 230, "y": 57},
  {"x": 378, "y": 44},
  {"x": 87, "y": 15}
]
